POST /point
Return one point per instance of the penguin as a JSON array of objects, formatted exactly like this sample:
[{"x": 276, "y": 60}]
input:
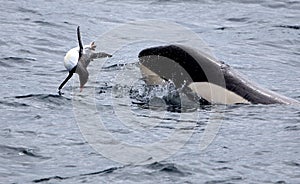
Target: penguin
[{"x": 77, "y": 60}]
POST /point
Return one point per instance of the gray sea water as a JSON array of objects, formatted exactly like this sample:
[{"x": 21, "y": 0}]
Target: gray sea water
[{"x": 42, "y": 141}]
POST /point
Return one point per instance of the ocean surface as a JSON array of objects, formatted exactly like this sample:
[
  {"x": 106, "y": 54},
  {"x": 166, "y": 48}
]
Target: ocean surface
[{"x": 47, "y": 138}]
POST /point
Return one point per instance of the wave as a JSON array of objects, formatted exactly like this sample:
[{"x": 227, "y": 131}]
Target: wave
[
  {"x": 26, "y": 10},
  {"x": 13, "y": 58},
  {"x": 233, "y": 179},
  {"x": 296, "y": 27},
  {"x": 49, "y": 178},
  {"x": 42, "y": 96},
  {"x": 102, "y": 172},
  {"x": 240, "y": 19},
  {"x": 166, "y": 1},
  {"x": 114, "y": 66},
  {"x": 46, "y": 23},
  {"x": 292, "y": 128},
  {"x": 54, "y": 99},
  {"x": 8, "y": 61},
  {"x": 170, "y": 168},
  {"x": 11, "y": 150},
  {"x": 13, "y": 104},
  {"x": 37, "y": 95},
  {"x": 162, "y": 97},
  {"x": 3, "y": 64}
]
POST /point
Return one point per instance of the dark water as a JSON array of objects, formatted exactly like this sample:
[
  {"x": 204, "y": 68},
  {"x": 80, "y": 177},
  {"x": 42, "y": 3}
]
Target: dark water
[{"x": 40, "y": 140}]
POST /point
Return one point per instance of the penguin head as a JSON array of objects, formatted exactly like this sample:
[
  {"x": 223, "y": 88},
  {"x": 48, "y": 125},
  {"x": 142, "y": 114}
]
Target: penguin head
[
  {"x": 93, "y": 46},
  {"x": 89, "y": 48}
]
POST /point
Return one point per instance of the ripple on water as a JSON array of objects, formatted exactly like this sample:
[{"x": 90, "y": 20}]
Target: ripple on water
[
  {"x": 228, "y": 180},
  {"x": 292, "y": 128},
  {"x": 293, "y": 164},
  {"x": 16, "y": 60},
  {"x": 169, "y": 168},
  {"x": 13, "y": 151},
  {"x": 48, "y": 98},
  {"x": 13, "y": 104},
  {"x": 27, "y": 10},
  {"x": 296, "y": 27},
  {"x": 60, "y": 178}
]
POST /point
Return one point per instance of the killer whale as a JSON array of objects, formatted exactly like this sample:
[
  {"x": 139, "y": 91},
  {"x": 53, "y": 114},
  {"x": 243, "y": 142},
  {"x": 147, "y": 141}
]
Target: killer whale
[{"x": 213, "y": 81}]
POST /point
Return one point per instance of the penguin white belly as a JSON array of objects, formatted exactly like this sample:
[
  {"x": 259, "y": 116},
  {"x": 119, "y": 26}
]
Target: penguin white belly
[{"x": 71, "y": 59}]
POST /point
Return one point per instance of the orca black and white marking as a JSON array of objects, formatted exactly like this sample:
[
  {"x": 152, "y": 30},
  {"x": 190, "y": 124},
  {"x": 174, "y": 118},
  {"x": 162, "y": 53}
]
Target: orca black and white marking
[
  {"x": 211, "y": 80},
  {"x": 77, "y": 60}
]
